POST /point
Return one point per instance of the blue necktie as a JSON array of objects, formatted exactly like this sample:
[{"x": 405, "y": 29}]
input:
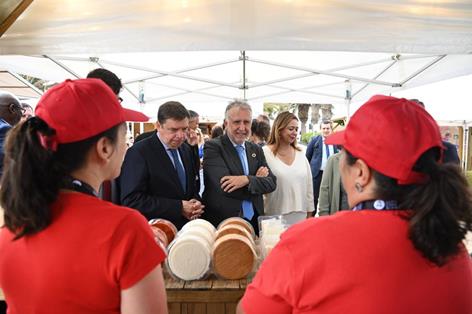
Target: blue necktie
[
  {"x": 327, "y": 151},
  {"x": 248, "y": 210},
  {"x": 180, "y": 169}
]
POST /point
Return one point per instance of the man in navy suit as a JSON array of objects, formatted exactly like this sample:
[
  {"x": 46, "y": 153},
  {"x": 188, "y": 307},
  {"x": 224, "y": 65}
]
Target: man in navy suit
[
  {"x": 235, "y": 171},
  {"x": 158, "y": 176},
  {"x": 450, "y": 154},
  {"x": 10, "y": 114},
  {"x": 318, "y": 153}
]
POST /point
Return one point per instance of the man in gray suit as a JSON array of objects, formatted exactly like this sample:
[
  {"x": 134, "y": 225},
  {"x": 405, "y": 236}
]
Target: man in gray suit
[{"x": 235, "y": 171}]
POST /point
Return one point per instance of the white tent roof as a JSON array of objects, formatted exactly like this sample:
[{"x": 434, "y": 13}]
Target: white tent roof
[
  {"x": 387, "y": 46},
  {"x": 107, "y": 26}
]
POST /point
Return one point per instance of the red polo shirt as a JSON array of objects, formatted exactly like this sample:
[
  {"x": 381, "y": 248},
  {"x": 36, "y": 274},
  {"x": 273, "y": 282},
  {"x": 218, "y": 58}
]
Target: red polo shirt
[
  {"x": 80, "y": 263},
  {"x": 358, "y": 262}
]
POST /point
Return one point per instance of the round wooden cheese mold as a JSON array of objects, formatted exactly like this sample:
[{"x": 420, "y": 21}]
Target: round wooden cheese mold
[
  {"x": 189, "y": 258},
  {"x": 165, "y": 225},
  {"x": 234, "y": 257},
  {"x": 239, "y": 221},
  {"x": 234, "y": 229},
  {"x": 160, "y": 236}
]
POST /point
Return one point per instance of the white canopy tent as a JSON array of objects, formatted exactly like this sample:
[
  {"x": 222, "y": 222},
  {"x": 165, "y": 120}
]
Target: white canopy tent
[
  {"x": 204, "y": 52},
  {"x": 259, "y": 76}
]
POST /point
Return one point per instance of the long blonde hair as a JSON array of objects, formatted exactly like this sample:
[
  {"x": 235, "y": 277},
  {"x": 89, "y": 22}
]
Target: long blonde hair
[{"x": 280, "y": 123}]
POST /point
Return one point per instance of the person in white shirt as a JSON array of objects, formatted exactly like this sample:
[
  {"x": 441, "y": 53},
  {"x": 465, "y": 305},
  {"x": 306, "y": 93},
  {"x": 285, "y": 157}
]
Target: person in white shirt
[{"x": 294, "y": 192}]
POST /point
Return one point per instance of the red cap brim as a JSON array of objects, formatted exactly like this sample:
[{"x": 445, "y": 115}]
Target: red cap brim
[
  {"x": 336, "y": 138},
  {"x": 134, "y": 116}
]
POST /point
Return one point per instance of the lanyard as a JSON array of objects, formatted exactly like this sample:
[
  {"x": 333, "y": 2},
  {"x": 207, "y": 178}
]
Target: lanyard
[
  {"x": 80, "y": 186},
  {"x": 377, "y": 205}
]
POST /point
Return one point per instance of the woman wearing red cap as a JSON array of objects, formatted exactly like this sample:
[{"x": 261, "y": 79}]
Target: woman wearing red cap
[
  {"x": 64, "y": 250},
  {"x": 400, "y": 250}
]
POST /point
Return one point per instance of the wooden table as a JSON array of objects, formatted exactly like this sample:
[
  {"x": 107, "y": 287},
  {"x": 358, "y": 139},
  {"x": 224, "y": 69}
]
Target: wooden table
[{"x": 211, "y": 296}]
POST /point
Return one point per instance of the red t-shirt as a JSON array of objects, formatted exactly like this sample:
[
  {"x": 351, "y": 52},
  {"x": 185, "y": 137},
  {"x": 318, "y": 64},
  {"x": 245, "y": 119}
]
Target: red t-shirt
[
  {"x": 358, "y": 262},
  {"x": 79, "y": 264}
]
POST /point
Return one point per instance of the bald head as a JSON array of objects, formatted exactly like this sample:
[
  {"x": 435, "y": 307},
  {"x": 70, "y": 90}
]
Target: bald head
[{"x": 10, "y": 108}]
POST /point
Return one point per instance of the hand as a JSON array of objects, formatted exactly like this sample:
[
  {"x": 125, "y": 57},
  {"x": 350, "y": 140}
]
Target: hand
[
  {"x": 192, "y": 209},
  {"x": 262, "y": 172},
  {"x": 192, "y": 137},
  {"x": 232, "y": 183}
]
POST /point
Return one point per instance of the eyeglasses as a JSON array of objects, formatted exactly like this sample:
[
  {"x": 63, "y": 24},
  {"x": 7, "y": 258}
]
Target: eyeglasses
[{"x": 16, "y": 107}]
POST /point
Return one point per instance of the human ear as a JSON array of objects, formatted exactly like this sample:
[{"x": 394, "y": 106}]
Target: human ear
[
  {"x": 363, "y": 173},
  {"x": 104, "y": 148}
]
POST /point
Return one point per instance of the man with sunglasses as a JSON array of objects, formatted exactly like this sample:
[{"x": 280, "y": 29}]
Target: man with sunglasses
[{"x": 10, "y": 114}]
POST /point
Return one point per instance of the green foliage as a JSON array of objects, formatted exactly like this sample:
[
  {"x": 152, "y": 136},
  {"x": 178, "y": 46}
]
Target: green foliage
[
  {"x": 307, "y": 137},
  {"x": 38, "y": 83},
  {"x": 273, "y": 109}
]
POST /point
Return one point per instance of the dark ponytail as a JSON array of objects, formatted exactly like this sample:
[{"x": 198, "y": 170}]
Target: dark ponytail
[
  {"x": 33, "y": 175},
  {"x": 441, "y": 208}
]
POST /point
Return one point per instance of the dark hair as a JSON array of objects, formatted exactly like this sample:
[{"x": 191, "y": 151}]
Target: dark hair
[
  {"x": 108, "y": 77},
  {"x": 282, "y": 120},
  {"x": 172, "y": 110},
  {"x": 193, "y": 114},
  {"x": 325, "y": 121},
  {"x": 33, "y": 175},
  {"x": 216, "y": 131},
  {"x": 441, "y": 207},
  {"x": 260, "y": 129},
  {"x": 264, "y": 118},
  {"x": 26, "y": 106}
]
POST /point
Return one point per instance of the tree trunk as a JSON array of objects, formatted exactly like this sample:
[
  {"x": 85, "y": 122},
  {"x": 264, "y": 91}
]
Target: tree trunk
[{"x": 303, "y": 116}]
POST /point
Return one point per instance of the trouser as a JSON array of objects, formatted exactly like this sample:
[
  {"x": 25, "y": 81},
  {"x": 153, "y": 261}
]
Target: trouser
[{"x": 316, "y": 190}]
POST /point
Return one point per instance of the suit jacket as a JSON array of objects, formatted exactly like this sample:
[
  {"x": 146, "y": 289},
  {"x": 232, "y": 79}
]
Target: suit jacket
[
  {"x": 4, "y": 128},
  {"x": 144, "y": 135},
  {"x": 330, "y": 188},
  {"x": 150, "y": 184},
  {"x": 220, "y": 159},
  {"x": 196, "y": 162},
  {"x": 450, "y": 153},
  {"x": 314, "y": 153}
]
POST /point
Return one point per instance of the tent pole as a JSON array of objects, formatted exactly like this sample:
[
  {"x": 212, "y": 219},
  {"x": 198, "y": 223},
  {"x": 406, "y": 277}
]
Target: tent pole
[
  {"x": 200, "y": 67},
  {"x": 97, "y": 61},
  {"x": 173, "y": 74},
  {"x": 62, "y": 66},
  {"x": 430, "y": 64},
  {"x": 244, "y": 86},
  {"x": 377, "y": 76},
  {"x": 465, "y": 147},
  {"x": 328, "y": 73},
  {"x": 348, "y": 98},
  {"x": 18, "y": 77}
]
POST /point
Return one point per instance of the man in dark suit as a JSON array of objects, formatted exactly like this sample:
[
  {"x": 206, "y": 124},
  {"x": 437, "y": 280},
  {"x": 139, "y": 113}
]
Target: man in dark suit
[
  {"x": 318, "y": 153},
  {"x": 450, "y": 154},
  {"x": 235, "y": 171},
  {"x": 10, "y": 114},
  {"x": 158, "y": 176}
]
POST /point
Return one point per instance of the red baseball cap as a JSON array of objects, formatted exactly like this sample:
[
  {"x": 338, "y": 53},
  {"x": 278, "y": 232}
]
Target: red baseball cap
[
  {"x": 390, "y": 134},
  {"x": 80, "y": 109}
]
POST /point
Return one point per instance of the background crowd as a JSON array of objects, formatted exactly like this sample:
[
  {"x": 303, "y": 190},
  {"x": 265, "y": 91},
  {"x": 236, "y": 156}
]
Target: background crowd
[{"x": 391, "y": 171}]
